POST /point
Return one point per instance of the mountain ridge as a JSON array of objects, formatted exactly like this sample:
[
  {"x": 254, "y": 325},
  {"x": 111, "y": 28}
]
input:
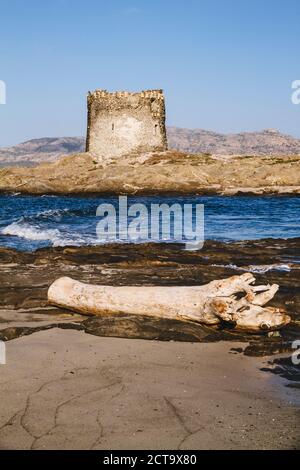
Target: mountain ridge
[{"x": 265, "y": 142}]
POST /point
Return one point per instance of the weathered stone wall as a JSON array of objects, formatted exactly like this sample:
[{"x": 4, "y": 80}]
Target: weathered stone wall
[{"x": 121, "y": 123}]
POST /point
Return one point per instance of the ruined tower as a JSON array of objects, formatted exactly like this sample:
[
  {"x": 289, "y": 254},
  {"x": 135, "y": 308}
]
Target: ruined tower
[{"x": 124, "y": 123}]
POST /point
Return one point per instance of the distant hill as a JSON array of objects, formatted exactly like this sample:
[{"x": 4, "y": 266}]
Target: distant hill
[
  {"x": 266, "y": 142},
  {"x": 40, "y": 150}
]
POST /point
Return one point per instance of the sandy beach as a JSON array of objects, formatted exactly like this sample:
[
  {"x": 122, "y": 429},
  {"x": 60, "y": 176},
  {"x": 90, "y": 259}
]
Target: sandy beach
[
  {"x": 76, "y": 382},
  {"x": 69, "y": 390}
]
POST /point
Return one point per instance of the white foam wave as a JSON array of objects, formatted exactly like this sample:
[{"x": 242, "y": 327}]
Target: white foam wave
[
  {"x": 54, "y": 236},
  {"x": 31, "y": 233},
  {"x": 269, "y": 267},
  {"x": 258, "y": 269}
]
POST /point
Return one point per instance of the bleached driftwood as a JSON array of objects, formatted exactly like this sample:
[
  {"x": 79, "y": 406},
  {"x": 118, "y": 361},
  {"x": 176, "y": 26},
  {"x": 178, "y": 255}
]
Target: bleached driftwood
[{"x": 233, "y": 300}]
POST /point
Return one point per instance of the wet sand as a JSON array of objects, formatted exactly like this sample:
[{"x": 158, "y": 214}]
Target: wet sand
[{"x": 69, "y": 390}]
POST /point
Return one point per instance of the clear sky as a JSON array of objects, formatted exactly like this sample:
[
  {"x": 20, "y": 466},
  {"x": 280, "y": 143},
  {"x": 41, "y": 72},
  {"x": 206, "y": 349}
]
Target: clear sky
[{"x": 225, "y": 65}]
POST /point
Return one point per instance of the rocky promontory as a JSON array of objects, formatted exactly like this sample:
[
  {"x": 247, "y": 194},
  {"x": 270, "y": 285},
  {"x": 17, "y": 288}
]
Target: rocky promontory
[{"x": 153, "y": 173}]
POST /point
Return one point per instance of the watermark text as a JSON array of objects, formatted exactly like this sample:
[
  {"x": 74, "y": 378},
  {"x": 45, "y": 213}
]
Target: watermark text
[
  {"x": 2, "y": 353},
  {"x": 296, "y": 93},
  {"x": 2, "y": 92},
  {"x": 157, "y": 222},
  {"x": 296, "y": 354}
]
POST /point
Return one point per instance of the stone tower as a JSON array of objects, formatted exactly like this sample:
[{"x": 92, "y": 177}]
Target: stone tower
[{"x": 124, "y": 123}]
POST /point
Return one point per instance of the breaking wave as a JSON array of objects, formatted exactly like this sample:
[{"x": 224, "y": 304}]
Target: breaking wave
[
  {"x": 31, "y": 233},
  {"x": 52, "y": 237},
  {"x": 32, "y": 222}
]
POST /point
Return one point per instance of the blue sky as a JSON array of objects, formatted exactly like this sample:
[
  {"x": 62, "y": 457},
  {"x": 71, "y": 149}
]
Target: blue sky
[{"x": 225, "y": 65}]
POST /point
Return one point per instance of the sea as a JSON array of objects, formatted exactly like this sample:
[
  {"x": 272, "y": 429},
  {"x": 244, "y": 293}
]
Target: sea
[{"x": 28, "y": 223}]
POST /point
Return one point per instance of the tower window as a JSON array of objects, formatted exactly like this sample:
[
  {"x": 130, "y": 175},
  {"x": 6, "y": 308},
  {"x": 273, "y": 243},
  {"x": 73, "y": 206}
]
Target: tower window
[
  {"x": 112, "y": 127},
  {"x": 155, "y": 129}
]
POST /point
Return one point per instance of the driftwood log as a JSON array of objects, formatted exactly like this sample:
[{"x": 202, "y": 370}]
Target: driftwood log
[{"x": 235, "y": 300}]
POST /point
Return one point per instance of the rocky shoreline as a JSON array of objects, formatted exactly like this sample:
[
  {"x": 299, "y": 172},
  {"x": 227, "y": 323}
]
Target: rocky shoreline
[
  {"x": 26, "y": 276},
  {"x": 169, "y": 172}
]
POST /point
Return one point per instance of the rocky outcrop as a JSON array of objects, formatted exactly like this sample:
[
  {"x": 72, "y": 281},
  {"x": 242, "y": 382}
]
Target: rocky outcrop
[
  {"x": 25, "y": 279},
  {"x": 152, "y": 173}
]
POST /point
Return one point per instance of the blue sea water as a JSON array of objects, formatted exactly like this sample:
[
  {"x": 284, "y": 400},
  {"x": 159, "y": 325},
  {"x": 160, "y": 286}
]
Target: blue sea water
[{"x": 31, "y": 222}]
